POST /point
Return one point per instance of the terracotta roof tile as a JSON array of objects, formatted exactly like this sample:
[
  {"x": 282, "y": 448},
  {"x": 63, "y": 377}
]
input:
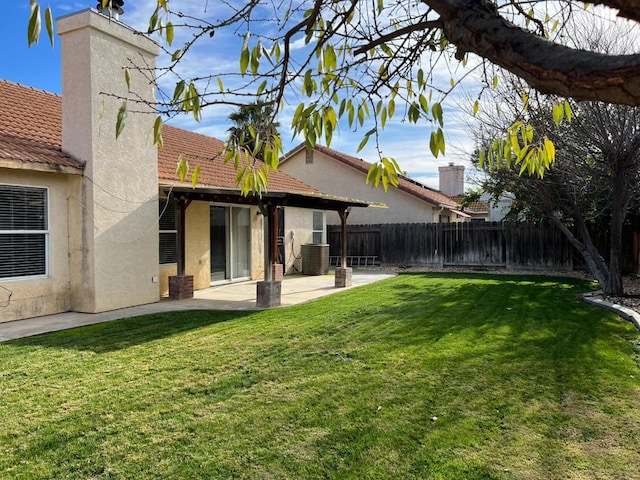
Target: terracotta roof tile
[
  {"x": 405, "y": 183},
  {"x": 31, "y": 126},
  {"x": 206, "y": 152},
  {"x": 31, "y": 132},
  {"x": 474, "y": 207}
]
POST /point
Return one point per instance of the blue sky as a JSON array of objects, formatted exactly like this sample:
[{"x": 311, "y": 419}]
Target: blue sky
[{"x": 39, "y": 67}]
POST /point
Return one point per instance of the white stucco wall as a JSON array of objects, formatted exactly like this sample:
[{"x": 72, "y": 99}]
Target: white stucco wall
[
  {"x": 51, "y": 294},
  {"x": 300, "y": 222},
  {"x": 119, "y": 233},
  {"x": 335, "y": 178}
]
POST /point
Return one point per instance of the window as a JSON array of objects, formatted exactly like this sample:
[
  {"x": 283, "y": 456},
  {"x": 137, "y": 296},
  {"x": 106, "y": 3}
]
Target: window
[
  {"x": 168, "y": 232},
  {"x": 318, "y": 227},
  {"x": 24, "y": 231}
]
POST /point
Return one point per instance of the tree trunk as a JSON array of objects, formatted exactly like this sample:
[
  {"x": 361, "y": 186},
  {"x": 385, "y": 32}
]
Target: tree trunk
[
  {"x": 595, "y": 263},
  {"x": 619, "y": 205}
]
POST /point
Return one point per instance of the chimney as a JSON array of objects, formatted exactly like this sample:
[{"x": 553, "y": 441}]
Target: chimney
[
  {"x": 451, "y": 179},
  {"x": 115, "y": 250}
]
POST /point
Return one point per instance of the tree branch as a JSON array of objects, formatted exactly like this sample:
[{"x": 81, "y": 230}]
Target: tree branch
[
  {"x": 425, "y": 25},
  {"x": 475, "y": 26}
]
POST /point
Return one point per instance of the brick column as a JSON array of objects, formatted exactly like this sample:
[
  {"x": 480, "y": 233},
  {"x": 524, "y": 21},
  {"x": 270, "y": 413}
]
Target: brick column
[
  {"x": 343, "y": 276},
  {"x": 180, "y": 287},
  {"x": 277, "y": 272}
]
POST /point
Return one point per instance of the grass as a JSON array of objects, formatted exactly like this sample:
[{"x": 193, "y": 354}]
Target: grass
[{"x": 426, "y": 376}]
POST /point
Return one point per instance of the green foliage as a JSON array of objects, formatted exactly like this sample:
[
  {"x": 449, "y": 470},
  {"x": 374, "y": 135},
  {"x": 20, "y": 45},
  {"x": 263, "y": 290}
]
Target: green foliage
[
  {"x": 361, "y": 67},
  {"x": 254, "y": 136},
  {"x": 520, "y": 146},
  {"x": 35, "y": 23}
]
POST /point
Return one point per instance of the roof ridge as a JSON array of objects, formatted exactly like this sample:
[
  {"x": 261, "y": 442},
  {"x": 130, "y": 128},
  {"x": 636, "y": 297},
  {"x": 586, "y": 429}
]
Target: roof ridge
[{"x": 21, "y": 85}]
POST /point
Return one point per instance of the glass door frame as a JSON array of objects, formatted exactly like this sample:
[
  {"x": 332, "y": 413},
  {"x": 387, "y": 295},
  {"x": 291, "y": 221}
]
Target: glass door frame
[{"x": 231, "y": 231}]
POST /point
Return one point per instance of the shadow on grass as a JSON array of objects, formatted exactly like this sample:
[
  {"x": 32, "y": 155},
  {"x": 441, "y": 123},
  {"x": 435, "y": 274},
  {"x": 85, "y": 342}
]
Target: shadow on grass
[
  {"x": 537, "y": 323},
  {"x": 507, "y": 364},
  {"x": 127, "y": 332}
]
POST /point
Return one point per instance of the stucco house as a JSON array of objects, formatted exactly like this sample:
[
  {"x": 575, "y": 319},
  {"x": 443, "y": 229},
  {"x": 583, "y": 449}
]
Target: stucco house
[
  {"x": 338, "y": 173},
  {"x": 92, "y": 223},
  {"x": 451, "y": 183}
]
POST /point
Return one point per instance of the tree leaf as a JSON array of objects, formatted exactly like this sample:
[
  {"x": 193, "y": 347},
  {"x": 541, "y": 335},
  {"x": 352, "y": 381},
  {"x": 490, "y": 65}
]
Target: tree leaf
[
  {"x": 182, "y": 167},
  {"x": 48, "y": 21},
  {"x": 120, "y": 120},
  {"x": 433, "y": 144},
  {"x": 391, "y": 107},
  {"x": 169, "y": 33},
  {"x": 33, "y": 30},
  {"x": 245, "y": 55},
  {"x": 127, "y": 78},
  {"x": 567, "y": 111},
  {"x": 558, "y": 114},
  {"x": 424, "y": 104},
  {"x": 157, "y": 132},
  {"x": 178, "y": 91},
  {"x": 195, "y": 176},
  {"x": 436, "y": 111},
  {"x": 364, "y": 141}
]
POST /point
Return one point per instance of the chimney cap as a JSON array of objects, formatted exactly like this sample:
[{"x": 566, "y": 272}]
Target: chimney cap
[{"x": 111, "y": 4}]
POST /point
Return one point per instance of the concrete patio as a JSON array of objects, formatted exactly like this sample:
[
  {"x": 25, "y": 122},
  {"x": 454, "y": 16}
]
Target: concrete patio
[{"x": 232, "y": 296}]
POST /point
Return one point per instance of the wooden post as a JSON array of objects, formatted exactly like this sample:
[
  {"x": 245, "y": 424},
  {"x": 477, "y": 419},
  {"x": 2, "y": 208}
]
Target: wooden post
[
  {"x": 273, "y": 212},
  {"x": 343, "y": 273},
  {"x": 181, "y": 285},
  {"x": 266, "y": 232},
  {"x": 181, "y": 207},
  {"x": 343, "y": 236}
]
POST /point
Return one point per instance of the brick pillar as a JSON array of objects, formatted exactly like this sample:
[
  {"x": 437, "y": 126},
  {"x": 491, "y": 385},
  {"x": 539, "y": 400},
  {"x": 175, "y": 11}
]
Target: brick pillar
[
  {"x": 343, "y": 277},
  {"x": 180, "y": 287},
  {"x": 277, "y": 272},
  {"x": 268, "y": 294}
]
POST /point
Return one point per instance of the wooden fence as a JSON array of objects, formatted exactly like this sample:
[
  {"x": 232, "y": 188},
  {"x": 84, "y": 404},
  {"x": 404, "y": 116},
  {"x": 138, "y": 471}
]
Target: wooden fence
[{"x": 481, "y": 244}]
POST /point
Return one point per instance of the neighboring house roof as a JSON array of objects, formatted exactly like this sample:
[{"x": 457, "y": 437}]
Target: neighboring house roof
[
  {"x": 405, "y": 183},
  {"x": 31, "y": 138},
  {"x": 475, "y": 208},
  {"x": 31, "y": 130}
]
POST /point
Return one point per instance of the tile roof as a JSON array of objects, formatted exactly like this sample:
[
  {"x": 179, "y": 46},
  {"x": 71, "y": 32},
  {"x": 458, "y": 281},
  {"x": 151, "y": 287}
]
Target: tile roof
[
  {"x": 476, "y": 207},
  {"x": 206, "y": 152},
  {"x": 405, "y": 183},
  {"x": 31, "y": 133},
  {"x": 31, "y": 128}
]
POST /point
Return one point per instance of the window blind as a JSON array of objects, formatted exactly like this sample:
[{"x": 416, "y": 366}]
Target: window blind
[{"x": 23, "y": 231}]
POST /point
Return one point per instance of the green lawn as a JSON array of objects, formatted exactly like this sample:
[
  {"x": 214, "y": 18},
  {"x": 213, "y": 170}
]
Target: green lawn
[{"x": 428, "y": 376}]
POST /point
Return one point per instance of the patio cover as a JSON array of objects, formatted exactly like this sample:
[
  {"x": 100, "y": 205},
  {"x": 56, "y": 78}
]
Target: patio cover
[{"x": 268, "y": 203}]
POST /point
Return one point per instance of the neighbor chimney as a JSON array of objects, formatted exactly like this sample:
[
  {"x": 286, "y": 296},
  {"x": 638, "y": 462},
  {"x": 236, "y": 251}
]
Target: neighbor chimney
[
  {"x": 117, "y": 249},
  {"x": 112, "y": 9},
  {"x": 452, "y": 179}
]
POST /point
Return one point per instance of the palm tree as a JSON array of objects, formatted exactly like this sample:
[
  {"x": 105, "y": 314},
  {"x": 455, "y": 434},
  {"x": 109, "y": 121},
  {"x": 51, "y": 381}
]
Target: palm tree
[{"x": 254, "y": 125}]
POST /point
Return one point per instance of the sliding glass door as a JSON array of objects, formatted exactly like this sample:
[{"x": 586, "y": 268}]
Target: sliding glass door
[{"x": 230, "y": 238}]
